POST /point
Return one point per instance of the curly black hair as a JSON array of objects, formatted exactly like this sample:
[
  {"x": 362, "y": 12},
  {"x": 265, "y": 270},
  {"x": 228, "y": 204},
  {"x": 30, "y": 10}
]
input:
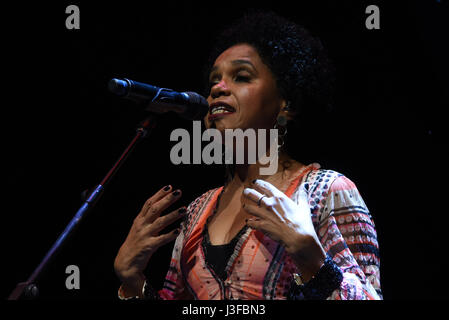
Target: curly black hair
[{"x": 303, "y": 71}]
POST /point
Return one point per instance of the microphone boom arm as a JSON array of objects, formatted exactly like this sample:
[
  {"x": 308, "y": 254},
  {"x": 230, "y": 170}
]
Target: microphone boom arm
[{"x": 28, "y": 288}]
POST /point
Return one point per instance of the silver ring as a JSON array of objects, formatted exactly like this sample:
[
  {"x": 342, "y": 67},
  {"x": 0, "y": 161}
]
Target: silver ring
[{"x": 260, "y": 199}]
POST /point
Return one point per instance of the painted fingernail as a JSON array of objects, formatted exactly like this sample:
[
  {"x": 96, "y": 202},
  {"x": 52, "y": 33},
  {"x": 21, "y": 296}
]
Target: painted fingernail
[
  {"x": 166, "y": 188},
  {"x": 176, "y": 193},
  {"x": 246, "y": 220},
  {"x": 176, "y": 231},
  {"x": 254, "y": 181},
  {"x": 182, "y": 211}
]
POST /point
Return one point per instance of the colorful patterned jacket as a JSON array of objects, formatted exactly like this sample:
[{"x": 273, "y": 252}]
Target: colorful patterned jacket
[{"x": 260, "y": 268}]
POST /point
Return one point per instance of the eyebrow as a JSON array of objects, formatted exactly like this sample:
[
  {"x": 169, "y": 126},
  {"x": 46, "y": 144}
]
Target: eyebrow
[
  {"x": 241, "y": 61},
  {"x": 235, "y": 63}
]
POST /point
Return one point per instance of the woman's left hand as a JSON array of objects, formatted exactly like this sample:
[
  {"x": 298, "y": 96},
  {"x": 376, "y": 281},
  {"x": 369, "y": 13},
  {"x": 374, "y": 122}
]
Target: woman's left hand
[{"x": 286, "y": 222}]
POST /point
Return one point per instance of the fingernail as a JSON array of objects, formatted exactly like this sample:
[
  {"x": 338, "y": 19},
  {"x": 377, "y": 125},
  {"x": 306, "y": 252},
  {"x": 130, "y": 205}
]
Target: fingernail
[
  {"x": 254, "y": 181},
  {"x": 176, "y": 231},
  {"x": 246, "y": 220},
  {"x": 176, "y": 193},
  {"x": 166, "y": 188},
  {"x": 182, "y": 211}
]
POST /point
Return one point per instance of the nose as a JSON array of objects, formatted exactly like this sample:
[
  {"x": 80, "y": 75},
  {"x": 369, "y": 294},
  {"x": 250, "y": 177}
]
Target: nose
[{"x": 219, "y": 89}]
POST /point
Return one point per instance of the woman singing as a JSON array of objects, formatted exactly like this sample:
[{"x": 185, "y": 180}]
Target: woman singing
[{"x": 301, "y": 233}]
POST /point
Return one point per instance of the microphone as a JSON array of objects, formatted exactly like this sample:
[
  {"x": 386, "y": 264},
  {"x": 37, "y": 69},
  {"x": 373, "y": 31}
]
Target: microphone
[{"x": 189, "y": 105}]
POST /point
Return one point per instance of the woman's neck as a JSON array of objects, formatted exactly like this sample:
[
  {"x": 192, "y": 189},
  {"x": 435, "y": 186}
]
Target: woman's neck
[{"x": 244, "y": 174}]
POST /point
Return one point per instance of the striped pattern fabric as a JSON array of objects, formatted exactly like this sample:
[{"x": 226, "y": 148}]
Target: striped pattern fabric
[{"x": 260, "y": 268}]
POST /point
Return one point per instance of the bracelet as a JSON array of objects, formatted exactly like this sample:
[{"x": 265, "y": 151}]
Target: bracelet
[
  {"x": 121, "y": 297},
  {"x": 321, "y": 286},
  {"x": 148, "y": 293}
]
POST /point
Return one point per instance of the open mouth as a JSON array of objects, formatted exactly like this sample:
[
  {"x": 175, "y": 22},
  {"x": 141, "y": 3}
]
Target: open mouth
[{"x": 219, "y": 109}]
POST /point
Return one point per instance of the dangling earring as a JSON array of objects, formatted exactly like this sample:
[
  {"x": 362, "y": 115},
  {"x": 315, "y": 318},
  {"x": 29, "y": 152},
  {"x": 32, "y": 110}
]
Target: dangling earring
[{"x": 281, "y": 125}]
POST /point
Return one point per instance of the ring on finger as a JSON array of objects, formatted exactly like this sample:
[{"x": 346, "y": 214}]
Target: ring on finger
[{"x": 260, "y": 199}]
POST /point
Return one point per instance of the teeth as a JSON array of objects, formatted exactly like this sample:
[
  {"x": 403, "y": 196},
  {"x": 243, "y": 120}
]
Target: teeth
[{"x": 220, "y": 109}]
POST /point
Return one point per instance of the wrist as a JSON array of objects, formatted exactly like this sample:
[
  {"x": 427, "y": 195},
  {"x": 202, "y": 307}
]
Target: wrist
[
  {"x": 127, "y": 273},
  {"x": 321, "y": 286},
  {"x": 309, "y": 259},
  {"x": 132, "y": 286}
]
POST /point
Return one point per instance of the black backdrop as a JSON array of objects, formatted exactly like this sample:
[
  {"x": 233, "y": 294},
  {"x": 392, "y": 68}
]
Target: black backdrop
[{"x": 63, "y": 130}]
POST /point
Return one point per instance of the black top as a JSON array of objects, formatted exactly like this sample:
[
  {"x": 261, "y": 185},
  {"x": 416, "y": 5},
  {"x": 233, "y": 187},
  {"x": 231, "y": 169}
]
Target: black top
[{"x": 217, "y": 256}]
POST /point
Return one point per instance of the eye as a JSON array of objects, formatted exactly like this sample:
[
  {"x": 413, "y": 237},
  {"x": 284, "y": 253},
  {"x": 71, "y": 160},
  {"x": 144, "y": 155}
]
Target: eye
[
  {"x": 242, "y": 77},
  {"x": 213, "y": 81}
]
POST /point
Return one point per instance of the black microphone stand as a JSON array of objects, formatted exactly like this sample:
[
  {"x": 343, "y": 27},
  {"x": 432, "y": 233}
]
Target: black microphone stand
[{"x": 28, "y": 289}]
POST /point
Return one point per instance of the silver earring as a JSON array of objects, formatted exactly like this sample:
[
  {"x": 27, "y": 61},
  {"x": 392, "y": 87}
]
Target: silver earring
[
  {"x": 281, "y": 121},
  {"x": 281, "y": 125}
]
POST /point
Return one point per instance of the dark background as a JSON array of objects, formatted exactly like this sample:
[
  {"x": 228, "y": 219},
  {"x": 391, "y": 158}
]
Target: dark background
[{"x": 63, "y": 130}]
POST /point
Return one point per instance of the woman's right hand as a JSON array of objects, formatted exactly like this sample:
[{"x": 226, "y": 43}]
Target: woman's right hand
[{"x": 143, "y": 239}]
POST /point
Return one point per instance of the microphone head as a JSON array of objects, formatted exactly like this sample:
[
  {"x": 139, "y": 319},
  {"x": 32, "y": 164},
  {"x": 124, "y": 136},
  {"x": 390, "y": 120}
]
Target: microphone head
[
  {"x": 118, "y": 86},
  {"x": 198, "y": 99},
  {"x": 198, "y": 106}
]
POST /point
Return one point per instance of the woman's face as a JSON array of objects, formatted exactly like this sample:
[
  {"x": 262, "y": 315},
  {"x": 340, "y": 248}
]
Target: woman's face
[{"x": 243, "y": 91}]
